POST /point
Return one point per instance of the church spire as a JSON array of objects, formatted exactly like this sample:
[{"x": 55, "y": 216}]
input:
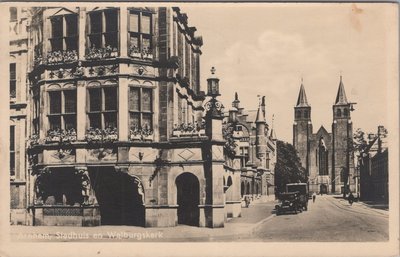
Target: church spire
[
  {"x": 341, "y": 94},
  {"x": 302, "y": 99}
]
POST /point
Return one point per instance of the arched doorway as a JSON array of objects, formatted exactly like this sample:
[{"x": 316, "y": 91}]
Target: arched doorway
[
  {"x": 257, "y": 189},
  {"x": 120, "y": 197},
  {"x": 188, "y": 199},
  {"x": 242, "y": 189},
  {"x": 248, "y": 188},
  {"x": 323, "y": 189}
]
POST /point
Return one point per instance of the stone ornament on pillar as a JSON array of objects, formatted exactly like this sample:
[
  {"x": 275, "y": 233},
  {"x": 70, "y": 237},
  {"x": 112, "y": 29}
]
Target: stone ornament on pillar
[
  {"x": 214, "y": 108},
  {"x": 83, "y": 173}
]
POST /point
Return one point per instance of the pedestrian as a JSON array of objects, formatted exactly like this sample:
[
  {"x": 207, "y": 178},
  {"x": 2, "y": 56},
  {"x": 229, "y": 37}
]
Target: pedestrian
[
  {"x": 314, "y": 195},
  {"x": 351, "y": 198},
  {"x": 247, "y": 201}
]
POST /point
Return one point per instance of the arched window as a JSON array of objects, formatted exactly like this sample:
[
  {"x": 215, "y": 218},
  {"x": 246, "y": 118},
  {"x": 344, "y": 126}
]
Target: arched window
[
  {"x": 298, "y": 114},
  {"x": 345, "y": 112},
  {"x": 305, "y": 114},
  {"x": 13, "y": 14},
  {"x": 339, "y": 113},
  {"x": 323, "y": 158}
]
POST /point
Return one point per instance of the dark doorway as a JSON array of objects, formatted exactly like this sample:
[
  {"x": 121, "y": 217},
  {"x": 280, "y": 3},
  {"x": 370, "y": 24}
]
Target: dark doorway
[
  {"x": 323, "y": 189},
  {"x": 188, "y": 199},
  {"x": 120, "y": 197},
  {"x": 242, "y": 189}
]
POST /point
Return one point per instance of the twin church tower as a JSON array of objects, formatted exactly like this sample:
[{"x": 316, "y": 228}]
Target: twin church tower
[{"x": 327, "y": 157}]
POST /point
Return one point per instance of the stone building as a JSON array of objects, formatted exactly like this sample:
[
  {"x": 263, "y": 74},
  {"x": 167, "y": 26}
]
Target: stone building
[
  {"x": 327, "y": 157},
  {"x": 121, "y": 133},
  {"x": 374, "y": 168},
  {"x": 254, "y": 149},
  {"x": 18, "y": 113}
]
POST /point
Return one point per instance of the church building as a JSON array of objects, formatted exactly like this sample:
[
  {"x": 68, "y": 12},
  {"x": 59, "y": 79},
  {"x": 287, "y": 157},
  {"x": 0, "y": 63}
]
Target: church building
[{"x": 327, "y": 157}]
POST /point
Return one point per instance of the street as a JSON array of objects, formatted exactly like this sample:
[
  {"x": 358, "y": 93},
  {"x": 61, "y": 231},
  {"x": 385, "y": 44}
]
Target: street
[{"x": 329, "y": 219}]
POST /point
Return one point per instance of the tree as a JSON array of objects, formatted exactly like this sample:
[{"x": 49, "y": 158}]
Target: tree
[{"x": 288, "y": 166}]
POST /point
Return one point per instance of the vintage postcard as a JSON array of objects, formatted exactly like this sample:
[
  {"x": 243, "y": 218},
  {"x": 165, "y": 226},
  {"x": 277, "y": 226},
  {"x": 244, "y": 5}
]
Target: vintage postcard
[{"x": 196, "y": 129}]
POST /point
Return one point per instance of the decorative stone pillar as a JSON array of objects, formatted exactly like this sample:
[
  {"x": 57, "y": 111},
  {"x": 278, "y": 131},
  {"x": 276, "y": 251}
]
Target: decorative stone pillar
[
  {"x": 80, "y": 110},
  {"x": 123, "y": 114},
  {"x": 82, "y": 36},
  {"x": 123, "y": 35},
  {"x": 214, "y": 209},
  {"x": 87, "y": 191}
]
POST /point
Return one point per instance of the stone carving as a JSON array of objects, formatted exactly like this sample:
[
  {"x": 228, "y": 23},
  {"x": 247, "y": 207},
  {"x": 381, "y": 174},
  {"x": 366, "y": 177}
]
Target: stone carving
[
  {"x": 79, "y": 71},
  {"x": 103, "y": 70},
  {"x": 230, "y": 145},
  {"x": 85, "y": 182},
  {"x": 62, "y": 154},
  {"x": 101, "y": 153}
]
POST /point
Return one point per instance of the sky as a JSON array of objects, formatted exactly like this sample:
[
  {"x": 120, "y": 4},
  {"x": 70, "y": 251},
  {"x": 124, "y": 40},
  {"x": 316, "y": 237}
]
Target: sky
[{"x": 266, "y": 49}]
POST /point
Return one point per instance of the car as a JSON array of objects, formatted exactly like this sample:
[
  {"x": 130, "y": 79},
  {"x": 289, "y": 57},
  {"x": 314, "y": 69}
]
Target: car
[
  {"x": 302, "y": 189},
  {"x": 288, "y": 202}
]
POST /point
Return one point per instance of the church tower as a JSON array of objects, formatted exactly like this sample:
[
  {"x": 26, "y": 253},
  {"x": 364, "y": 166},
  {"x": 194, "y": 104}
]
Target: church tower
[
  {"x": 342, "y": 133},
  {"x": 302, "y": 128}
]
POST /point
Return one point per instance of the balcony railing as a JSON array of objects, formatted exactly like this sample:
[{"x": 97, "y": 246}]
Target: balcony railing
[
  {"x": 60, "y": 135},
  {"x": 101, "y": 135},
  {"x": 59, "y": 57},
  {"x": 94, "y": 53},
  {"x": 189, "y": 129},
  {"x": 144, "y": 133},
  {"x": 145, "y": 53}
]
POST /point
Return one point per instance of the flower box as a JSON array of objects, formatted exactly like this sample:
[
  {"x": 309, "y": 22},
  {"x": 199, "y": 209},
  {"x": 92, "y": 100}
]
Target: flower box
[
  {"x": 148, "y": 56},
  {"x": 136, "y": 55},
  {"x": 53, "y": 139},
  {"x": 111, "y": 137}
]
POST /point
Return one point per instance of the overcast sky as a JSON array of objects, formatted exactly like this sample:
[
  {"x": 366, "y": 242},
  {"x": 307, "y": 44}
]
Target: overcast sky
[{"x": 265, "y": 49}]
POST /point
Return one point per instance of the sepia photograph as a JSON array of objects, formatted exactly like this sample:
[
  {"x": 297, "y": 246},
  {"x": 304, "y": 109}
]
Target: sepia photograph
[{"x": 265, "y": 123}]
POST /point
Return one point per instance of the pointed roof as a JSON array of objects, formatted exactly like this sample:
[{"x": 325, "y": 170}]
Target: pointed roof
[
  {"x": 259, "y": 116},
  {"x": 341, "y": 94},
  {"x": 272, "y": 135},
  {"x": 302, "y": 99}
]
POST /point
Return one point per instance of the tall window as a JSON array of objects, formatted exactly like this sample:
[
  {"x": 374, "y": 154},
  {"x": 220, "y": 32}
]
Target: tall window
[
  {"x": 103, "y": 107},
  {"x": 244, "y": 152},
  {"x": 12, "y": 150},
  {"x": 140, "y": 32},
  {"x": 36, "y": 113},
  {"x": 64, "y": 32},
  {"x": 13, "y": 14},
  {"x": 345, "y": 112},
  {"x": 62, "y": 109},
  {"x": 140, "y": 107},
  {"x": 323, "y": 161},
  {"x": 13, "y": 81},
  {"x": 305, "y": 114},
  {"x": 339, "y": 113},
  {"x": 104, "y": 29}
]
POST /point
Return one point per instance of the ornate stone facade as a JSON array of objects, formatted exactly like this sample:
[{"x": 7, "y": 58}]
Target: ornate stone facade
[
  {"x": 252, "y": 146},
  {"x": 110, "y": 90}
]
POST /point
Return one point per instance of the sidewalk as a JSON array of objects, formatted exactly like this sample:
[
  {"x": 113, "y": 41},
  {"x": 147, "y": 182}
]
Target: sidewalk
[
  {"x": 252, "y": 217},
  {"x": 367, "y": 205}
]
